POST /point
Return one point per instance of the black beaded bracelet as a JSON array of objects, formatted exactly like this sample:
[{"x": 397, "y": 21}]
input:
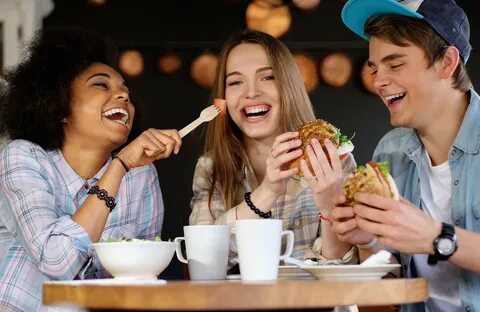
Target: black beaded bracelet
[
  {"x": 262, "y": 214},
  {"x": 103, "y": 195},
  {"x": 122, "y": 162}
]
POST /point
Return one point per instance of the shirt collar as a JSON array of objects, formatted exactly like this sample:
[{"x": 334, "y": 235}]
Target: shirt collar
[
  {"x": 73, "y": 181},
  {"x": 468, "y": 137}
]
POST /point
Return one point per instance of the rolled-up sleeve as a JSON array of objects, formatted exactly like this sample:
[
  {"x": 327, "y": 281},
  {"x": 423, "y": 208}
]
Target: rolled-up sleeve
[
  {"x": 58, "y": 246},
  {"x": 202, "y": 212}
]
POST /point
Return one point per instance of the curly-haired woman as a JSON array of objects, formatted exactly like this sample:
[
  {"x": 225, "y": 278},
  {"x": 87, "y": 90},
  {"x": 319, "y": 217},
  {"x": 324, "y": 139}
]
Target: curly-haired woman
[{"x": 66, "y": 110}]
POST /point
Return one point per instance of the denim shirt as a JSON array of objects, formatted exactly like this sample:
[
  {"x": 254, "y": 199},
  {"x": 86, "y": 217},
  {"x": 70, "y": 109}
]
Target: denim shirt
[{"x": 402, "y": 149}]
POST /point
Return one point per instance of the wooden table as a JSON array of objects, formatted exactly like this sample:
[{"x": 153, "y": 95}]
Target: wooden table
[{"x": 235, "y": 295}]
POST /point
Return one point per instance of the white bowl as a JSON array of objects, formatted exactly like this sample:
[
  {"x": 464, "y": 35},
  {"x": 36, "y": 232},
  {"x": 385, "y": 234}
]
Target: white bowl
[{"x": 135, "y": 260}]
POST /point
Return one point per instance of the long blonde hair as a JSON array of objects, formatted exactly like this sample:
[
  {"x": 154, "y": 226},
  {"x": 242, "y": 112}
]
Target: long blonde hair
[{"x": 224, "y": 139}]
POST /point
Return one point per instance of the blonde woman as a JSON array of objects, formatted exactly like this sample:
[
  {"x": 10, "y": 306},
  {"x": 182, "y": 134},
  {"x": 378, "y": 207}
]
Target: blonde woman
[{"x": 244, "y": 173}]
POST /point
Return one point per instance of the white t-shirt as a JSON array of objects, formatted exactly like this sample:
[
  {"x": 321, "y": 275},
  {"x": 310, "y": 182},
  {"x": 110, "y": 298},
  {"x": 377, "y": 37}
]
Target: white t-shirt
[{"x": 443, "y": 278}]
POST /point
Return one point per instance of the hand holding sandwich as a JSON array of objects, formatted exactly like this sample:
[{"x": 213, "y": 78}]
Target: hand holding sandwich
[
  {"x": 372, "y": 178},
  {"x": 372, "y": 208},
  {"x": 321, "y": 166},
  {"x": 327, "y": 177},
  {"x": 397, "y": 224},
  {"x": 285, "y": 149},
  {"x": 323, "y": 146}
]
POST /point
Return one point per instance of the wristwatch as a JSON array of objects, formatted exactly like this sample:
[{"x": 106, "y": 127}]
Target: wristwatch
[{"x": 444, "y": 245}]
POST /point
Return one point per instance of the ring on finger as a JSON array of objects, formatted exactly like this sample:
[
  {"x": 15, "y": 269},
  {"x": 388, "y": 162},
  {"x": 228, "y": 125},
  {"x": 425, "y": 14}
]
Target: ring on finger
[{"x": 271, "y": 153}]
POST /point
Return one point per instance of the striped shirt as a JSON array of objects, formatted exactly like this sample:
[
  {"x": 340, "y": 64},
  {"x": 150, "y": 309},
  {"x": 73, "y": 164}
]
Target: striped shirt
[
  {"x": 296, "y": 207},
  {"x": 39, "y": 192}
]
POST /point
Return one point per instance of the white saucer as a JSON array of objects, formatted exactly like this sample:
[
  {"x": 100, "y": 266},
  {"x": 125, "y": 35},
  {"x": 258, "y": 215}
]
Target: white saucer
[{"x": 350, "y": 271}]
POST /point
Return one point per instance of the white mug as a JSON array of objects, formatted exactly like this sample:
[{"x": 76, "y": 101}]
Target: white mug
[
  {"x": 259, "y": 244},
  {"x": 207, "y": 248}
]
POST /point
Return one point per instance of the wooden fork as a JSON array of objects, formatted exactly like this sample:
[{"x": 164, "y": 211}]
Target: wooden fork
[{"x": 207, "y": 114}]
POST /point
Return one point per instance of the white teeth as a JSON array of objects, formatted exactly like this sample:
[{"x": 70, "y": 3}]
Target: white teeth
[
  {"x": 394, "y": 96},
  {"x": 256, "y": 109},
  {"x": 113, "y": 111}
]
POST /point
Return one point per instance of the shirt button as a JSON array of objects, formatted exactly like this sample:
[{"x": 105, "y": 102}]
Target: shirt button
[
  {"x": 86, "y": 186},
  {"x": 453, "y": 152},
  {"x": 456, "y": 182},
  {"x": 468, "y": 309},
  {"x": 457, "y": 222},
  {"x": 297, "y": 222}
]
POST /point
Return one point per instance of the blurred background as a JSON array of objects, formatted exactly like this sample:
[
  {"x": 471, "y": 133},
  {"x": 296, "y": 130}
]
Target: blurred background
[{"x": 169, "y": 56}]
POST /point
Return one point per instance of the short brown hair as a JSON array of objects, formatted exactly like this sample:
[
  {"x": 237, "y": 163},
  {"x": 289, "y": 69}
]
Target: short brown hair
[{"x": 400, "y": 30}]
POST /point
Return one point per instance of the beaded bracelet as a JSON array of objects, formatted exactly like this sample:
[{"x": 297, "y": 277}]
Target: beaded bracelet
[
  {"x": 103, "y": 195},
  {"x": 262, "y": 214}
]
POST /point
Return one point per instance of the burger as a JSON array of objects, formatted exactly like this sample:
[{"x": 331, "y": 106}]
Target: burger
[
  {"x": 320, "y": 129},
  {"x": 372, "y": 178}
]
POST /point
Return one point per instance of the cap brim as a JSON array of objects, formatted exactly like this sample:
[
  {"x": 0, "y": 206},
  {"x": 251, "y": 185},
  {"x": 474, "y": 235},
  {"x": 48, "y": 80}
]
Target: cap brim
[{"x": 356, "y": 12}]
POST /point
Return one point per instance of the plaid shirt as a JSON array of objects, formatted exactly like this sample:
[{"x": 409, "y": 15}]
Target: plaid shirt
[
  {"x": 296, "y": 207},
  {"x": 39, "y": 192}
]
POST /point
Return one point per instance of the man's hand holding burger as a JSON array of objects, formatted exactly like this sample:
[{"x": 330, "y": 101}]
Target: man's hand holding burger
[
  {"x": 373, "y": 178},
  {"x": 397, "y": 224}
]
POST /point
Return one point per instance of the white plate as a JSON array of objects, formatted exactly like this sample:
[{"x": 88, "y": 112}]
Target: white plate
[
  {"x": 350, "y": 271},
  {"x": 293, "y": 272},
  {"x": 284, "y": 272}
]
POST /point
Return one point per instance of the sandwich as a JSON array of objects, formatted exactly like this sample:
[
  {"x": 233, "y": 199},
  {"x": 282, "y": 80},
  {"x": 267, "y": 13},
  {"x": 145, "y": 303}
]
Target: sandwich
[
  {"x": 372, "y": 178},
  {"x": 320, "y": 129}
]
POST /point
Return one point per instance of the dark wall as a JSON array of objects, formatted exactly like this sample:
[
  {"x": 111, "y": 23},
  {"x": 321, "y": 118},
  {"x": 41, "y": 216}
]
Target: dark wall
[{"x": 192, "y": 27}]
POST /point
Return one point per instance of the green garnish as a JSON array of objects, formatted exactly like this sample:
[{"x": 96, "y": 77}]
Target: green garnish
[
  {"x": 383, "y": 166},
  {"x": 340, "y": 138},
  {"x": 338, "y": 135},
  {"x": 345, "y": 139},
  {"x": 360, "y": 168}
]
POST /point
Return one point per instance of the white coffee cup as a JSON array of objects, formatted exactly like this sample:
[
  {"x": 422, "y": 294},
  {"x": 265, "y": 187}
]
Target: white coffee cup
[
  {"x": 207, "y": 248},
  {"x": 259, "y": 244}
]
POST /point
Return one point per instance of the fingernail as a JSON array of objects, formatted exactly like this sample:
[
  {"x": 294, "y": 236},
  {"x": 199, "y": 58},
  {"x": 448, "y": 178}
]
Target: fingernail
[{"x": 315, "y": 141}]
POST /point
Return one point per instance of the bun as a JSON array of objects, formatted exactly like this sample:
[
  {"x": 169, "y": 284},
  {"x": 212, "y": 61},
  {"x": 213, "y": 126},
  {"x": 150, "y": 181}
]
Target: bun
[
  {"x": 316, "y": 129},
  {"x": 370, "y": 179}
]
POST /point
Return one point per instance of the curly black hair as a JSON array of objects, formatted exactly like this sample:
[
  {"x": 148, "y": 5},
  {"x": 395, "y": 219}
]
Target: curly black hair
[{"x": 39, "y": 87}]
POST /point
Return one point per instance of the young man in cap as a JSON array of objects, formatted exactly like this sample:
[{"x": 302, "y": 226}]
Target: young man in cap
[{"x": 417, "y": 53}]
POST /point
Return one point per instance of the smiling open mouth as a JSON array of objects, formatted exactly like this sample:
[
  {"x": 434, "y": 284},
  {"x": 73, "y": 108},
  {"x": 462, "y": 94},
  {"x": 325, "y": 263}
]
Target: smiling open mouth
[
  {"x": 391, "y": 99},
  {"x": 117, "y": 114},
  {"x": 256, "y": 111}
]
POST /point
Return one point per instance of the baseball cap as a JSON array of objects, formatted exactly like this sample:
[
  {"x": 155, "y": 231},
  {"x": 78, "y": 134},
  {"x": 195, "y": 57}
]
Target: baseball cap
[{"x": 444, "y": 16}]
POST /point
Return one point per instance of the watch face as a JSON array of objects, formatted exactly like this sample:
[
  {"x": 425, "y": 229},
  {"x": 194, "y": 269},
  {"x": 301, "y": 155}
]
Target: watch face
[{"x": 445, "y": 246}]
